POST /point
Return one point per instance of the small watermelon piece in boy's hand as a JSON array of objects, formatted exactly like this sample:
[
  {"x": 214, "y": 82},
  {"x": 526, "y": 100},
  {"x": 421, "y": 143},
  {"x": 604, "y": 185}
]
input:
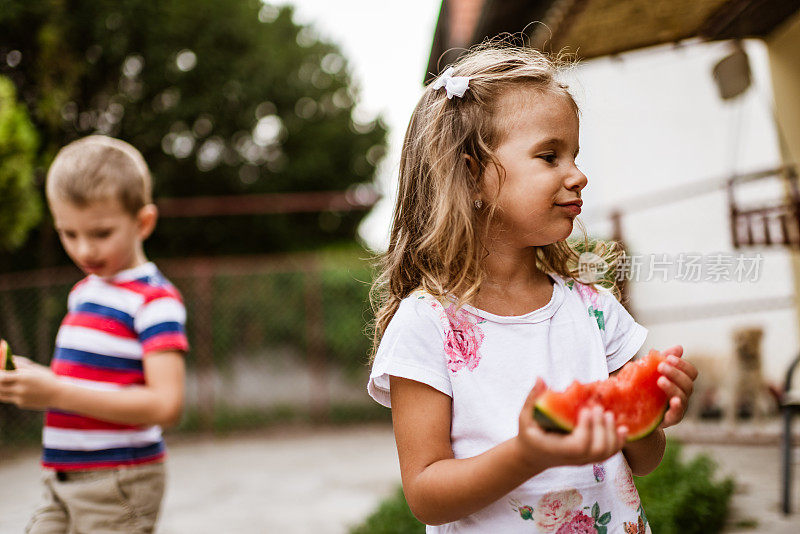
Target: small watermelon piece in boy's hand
[
  {"x": 6, "y": 356},
  {"x": 633, "y": 395}
]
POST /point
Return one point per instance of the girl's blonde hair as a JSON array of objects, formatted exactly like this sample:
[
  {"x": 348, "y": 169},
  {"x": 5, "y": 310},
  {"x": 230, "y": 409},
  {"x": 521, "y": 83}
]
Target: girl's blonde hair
[{"x": 436, "y": 240}]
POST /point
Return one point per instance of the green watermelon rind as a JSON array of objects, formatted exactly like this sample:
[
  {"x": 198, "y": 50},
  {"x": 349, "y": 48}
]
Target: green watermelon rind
[
  {"x": 553, "y": 424},
  {"x": 550, "y": 422},
  {"x": 652, "y": 428},
  {"x": 6, "y": 357}
]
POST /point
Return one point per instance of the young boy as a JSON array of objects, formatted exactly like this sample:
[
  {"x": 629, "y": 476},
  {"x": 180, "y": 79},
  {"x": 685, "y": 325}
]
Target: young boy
[{"x": 118, "y": 369}]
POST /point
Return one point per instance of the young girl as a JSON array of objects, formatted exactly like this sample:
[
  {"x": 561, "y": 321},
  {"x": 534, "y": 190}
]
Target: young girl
[{"x": 478, "y": 308}]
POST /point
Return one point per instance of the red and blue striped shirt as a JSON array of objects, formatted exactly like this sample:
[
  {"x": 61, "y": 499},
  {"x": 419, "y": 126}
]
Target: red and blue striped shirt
[{"x": 110, "y": 326}]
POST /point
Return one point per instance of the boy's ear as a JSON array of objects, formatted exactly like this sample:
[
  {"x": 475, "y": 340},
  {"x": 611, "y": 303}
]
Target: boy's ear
[{"x": 146, "y": 220}]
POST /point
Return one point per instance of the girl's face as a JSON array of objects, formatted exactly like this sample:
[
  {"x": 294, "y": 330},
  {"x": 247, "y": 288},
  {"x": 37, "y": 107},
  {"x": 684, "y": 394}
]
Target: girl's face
[{"x": 539, "y": 197}]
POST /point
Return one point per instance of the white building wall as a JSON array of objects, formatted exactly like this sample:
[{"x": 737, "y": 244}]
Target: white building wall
[{"x": 652, "y": 121}]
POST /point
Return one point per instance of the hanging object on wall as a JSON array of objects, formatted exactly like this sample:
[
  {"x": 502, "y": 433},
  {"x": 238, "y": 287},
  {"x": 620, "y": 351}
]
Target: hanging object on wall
[{"x": 732, "y": 73}]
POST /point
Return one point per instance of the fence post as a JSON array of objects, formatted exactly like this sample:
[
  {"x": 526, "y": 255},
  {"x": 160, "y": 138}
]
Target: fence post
[
  {"x": 203, "y": 349},
  {"x": 319, "y": 396}
]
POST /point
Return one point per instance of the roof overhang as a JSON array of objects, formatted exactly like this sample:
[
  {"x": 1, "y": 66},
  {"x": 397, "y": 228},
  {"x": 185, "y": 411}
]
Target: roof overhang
[{"x": 595, "y": 28}]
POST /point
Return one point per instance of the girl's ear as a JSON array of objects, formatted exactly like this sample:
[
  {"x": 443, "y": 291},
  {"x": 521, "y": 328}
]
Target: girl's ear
[
  {"x": 146, "y": 220},
  {"x": 472, "y": 165}
]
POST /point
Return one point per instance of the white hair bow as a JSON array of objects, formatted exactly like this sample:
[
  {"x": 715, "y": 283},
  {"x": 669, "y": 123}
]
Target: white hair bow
[{"x": 454, "y": 85}]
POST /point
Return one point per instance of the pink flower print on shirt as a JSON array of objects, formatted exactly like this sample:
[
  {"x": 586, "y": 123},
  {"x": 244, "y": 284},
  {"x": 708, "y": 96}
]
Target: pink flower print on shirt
[
  {"x": 555, "y": 508},
  {"x": 462, "y": 340},
  {"x": 590, "y": 294},
  {"x": 578, "y": 523},
  {"x": 557, "y": 513},
  {"x": 599, "y": 472},
  {"x": 626, "y": 489}
]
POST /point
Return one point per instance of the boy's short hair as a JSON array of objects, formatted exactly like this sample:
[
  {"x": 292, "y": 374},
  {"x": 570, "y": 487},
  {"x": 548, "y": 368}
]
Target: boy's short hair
[{"x": 98, "y": 167}]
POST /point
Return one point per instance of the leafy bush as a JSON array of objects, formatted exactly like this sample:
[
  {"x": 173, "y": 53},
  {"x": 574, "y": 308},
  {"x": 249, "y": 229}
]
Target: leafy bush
[
  {"x": 685, "y": 498},
  {"x": 392, "y": 517},
  {"x": 228, "y": 419},
  {"x": 346, "y": 309},
  {"x": 677, "y": 497},
  {"x": 18, "y": 142}
]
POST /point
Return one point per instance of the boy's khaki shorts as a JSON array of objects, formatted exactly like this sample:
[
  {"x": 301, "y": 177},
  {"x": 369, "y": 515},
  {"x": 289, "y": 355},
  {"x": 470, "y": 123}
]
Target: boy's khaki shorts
[{"x": 101, "y": 501}]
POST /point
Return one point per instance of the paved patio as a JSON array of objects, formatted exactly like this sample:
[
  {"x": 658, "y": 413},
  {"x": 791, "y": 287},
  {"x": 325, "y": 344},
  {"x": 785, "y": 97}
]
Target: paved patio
[{"x": 323, "y": 481}]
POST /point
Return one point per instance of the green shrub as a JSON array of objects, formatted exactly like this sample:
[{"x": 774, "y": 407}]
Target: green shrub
[
  {"x": 678, "y": 498},
  {"x": 392, "y": 517},
  {"x": 345, "y": 298},
  {"x": 227, "y": 419},
  {"x": 684, "y": 497},
  {"x": 22, "y": 208}
]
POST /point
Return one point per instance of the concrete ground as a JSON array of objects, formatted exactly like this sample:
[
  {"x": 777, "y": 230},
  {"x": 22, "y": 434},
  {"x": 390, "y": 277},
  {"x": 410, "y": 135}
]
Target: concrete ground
[{"x": 323, "y": 481}]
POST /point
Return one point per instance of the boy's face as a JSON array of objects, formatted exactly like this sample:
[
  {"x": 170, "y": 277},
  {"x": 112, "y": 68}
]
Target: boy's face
[{"x": 101, "y": 237}]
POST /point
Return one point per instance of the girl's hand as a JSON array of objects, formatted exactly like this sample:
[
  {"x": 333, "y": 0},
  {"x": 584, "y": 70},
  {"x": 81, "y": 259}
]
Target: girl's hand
[
  {"x": 677, "y": 383},
  {"x": 31, "y": 386},
  {"x": 595, "y": 438}
]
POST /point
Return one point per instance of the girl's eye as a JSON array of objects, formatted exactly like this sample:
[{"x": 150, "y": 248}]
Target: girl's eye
[
  {"x": 549, "y": 158},
  {"x": 101, "y": 234}
]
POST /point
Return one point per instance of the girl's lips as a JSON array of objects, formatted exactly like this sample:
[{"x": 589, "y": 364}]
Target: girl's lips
[{"x": 574, "y": 209}]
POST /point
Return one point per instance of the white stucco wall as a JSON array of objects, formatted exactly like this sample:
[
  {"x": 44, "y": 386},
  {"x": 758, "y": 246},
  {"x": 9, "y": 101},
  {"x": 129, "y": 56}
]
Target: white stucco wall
[{"x": 652, "y": 121}]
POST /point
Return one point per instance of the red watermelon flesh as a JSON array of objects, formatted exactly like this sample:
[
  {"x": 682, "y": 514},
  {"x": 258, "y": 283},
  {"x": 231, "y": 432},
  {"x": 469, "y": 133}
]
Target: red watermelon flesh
[{"x": 632, "y": 394}]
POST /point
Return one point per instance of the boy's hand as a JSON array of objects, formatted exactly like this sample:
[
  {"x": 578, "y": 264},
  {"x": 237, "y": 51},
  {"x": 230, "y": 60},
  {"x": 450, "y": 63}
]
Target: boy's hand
[
  {"x": 677, "y": 383},
  {"x": 595, "y": 438},
  {"x": 31, "y": 386},
  {"x": 24, "y": 363}
]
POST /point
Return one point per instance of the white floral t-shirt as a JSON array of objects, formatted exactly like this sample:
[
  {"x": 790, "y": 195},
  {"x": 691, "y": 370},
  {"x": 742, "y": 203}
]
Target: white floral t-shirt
[{"x": 488, "y": 364}]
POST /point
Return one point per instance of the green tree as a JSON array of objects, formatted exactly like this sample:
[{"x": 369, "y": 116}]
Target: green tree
[
  {"x": 221, "y": 97},
  {"x": 20, "y": 208}
]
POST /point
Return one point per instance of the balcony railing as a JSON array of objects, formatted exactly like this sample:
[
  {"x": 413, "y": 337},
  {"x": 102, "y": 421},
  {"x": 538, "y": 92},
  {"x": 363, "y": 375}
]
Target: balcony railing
[{"x": 773, "y": 224}]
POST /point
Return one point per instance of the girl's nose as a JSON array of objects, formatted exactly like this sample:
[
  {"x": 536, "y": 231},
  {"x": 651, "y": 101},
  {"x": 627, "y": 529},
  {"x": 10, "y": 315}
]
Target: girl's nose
[{"x": 576, "y": 181}]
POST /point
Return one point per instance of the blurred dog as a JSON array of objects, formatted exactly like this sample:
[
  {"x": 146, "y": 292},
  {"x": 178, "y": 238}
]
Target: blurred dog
[{"x": 733, "y": 386}]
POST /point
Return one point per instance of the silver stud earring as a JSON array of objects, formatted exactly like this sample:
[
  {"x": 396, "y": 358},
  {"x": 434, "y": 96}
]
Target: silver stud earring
[{"x": 478, "y": 203}]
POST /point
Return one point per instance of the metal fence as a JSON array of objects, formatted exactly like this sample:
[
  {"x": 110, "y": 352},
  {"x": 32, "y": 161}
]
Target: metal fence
[{"x": 272, "y": 337}]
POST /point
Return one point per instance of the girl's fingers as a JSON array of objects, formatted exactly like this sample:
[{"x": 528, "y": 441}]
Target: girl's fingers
[
  {"x": 610, "y": 430},
  {"x": 671, "y": 388},
  {"x": 582, "y": 435},
  {"x": 622, "y": 435},
  {"x": 677, "y": 408},
  {"x": 599, "y": 442},
  {"x": 677, "y": 377},
  {"x": 538, "y": 388},
  {"x": 684, "y": 366},
  {"x": 677, "y": 350},
  {"x": 526, "y": 415}
]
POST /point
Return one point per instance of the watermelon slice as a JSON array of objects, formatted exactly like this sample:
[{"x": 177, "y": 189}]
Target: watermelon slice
[
  {"x": 6, "y": 358},
  {"x": 632, "y": 394}
]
